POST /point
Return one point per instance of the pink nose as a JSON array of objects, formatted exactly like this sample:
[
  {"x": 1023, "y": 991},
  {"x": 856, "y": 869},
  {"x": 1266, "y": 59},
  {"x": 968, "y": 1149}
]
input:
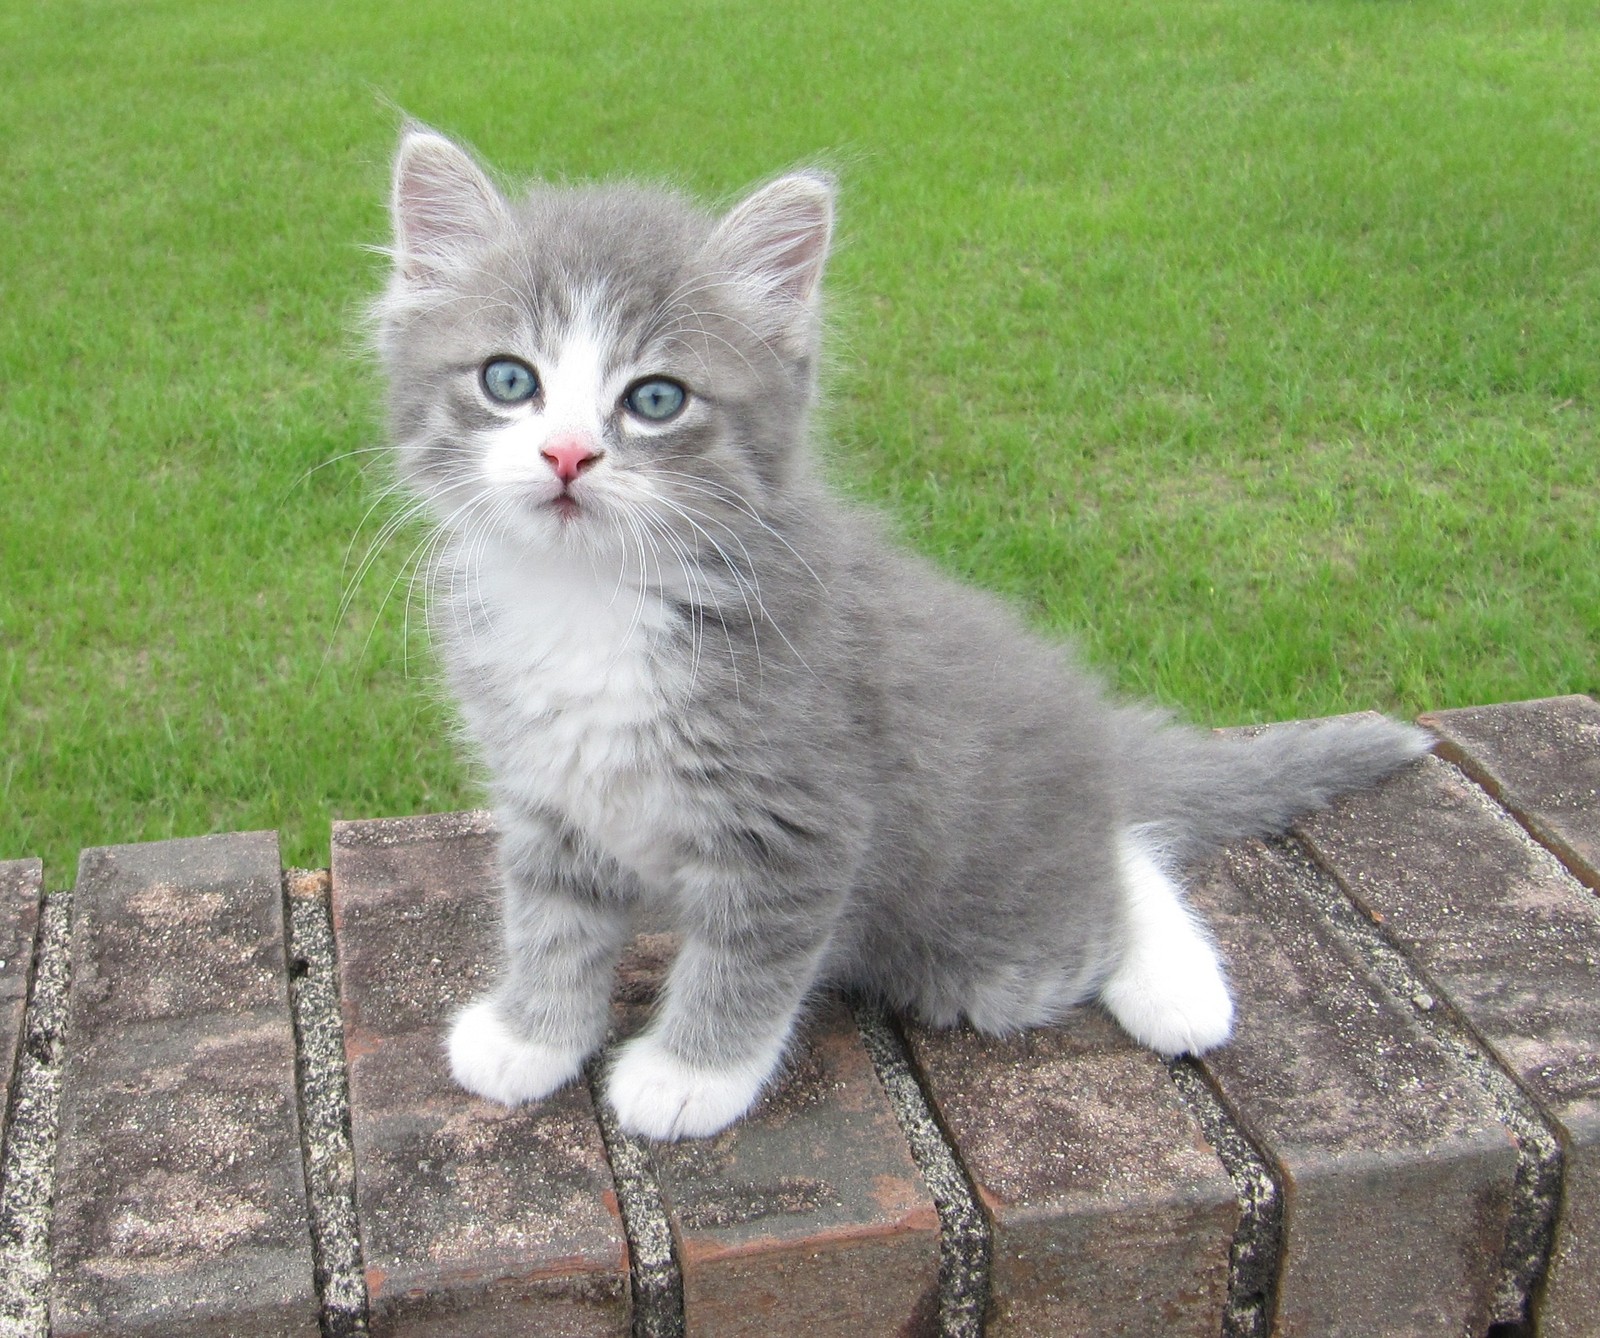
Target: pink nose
[{"x": 570, "y": 456}]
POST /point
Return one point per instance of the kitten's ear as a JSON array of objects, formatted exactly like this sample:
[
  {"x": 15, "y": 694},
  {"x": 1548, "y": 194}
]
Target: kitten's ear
[
  {"x": 779, "y": 235},
  {"x": 441, "y": 203}
]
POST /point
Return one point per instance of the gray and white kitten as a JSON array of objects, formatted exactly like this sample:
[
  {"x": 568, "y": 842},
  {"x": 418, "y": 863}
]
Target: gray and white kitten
[{"x": 703, "y": 684}]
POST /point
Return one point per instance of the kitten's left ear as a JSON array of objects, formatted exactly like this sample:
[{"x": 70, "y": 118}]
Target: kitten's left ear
[
  {"x": 779, "y": 235},
  {"x": 442, "y": 204}
]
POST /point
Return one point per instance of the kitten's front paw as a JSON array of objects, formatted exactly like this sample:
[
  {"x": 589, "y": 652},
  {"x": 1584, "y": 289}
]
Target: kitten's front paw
[
  {"x": 658, "y": 1095},
  {"x": 488, "y": 1059}
]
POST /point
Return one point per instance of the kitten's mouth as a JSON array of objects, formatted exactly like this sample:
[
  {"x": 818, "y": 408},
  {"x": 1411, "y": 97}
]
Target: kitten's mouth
[{"x": 565, "y": 505}]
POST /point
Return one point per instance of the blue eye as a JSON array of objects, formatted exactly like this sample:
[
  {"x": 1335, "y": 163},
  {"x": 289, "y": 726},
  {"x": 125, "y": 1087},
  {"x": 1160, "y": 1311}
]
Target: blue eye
[
  {"x": 509, "y": 381},
  {"x": 655, "y": 400}
]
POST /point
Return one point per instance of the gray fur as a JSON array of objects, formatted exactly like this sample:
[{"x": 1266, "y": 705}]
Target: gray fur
[{"x": 873, "y": 776}]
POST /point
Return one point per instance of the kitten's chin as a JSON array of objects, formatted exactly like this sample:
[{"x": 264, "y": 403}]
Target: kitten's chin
[
  {"x": 563, "y": 524},
  {"x": 534, "y": 524},
  {"x": 568, "y": 520}
]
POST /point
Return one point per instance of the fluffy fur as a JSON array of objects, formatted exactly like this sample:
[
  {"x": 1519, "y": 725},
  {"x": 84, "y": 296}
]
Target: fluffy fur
[{"x": 701, "y": 682}]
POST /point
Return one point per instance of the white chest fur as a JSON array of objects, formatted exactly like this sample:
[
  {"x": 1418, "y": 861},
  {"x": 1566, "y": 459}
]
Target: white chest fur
[{"x": 566, "y": 680}]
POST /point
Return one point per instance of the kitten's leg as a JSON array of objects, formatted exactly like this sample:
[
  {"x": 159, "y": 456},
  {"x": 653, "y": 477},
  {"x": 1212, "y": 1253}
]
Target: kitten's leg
[
  {"x": 549, "y": 1011},
  {"x": 731, "y": 1001},
  {"x": 1168, "y": 989}
]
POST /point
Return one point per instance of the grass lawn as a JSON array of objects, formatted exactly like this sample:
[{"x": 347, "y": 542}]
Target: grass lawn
[{"x": 1255, "y": 342}]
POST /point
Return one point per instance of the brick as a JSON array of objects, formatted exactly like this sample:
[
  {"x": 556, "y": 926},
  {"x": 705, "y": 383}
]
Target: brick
[
  {"x": 181, "y": 1197},
  {"x": 1397, "y": 1176},
  {"x": 21, "y": 884},
  {"x": 28, "y": 1175},
  {"x": 809, "y": 1216},
  {"x": 1541, "y": 759},
  {"x": 1110, "y": 1212},
  {"x": 1504, "y": 933},
  {"x": 474, "y": 1219}
]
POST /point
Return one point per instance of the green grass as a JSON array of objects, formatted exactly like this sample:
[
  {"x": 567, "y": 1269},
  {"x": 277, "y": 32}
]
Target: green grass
[{"x": 1253, "y": 341}]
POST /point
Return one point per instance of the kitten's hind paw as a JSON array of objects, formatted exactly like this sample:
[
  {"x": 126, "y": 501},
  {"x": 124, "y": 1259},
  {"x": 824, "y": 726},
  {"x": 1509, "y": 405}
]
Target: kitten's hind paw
[
  {"x": 1168, "y": 991},
  {"x": 1183, "y": 1009},
  {"x": 658, "y": 1095},
  {"x": 489, "y": 1060}
]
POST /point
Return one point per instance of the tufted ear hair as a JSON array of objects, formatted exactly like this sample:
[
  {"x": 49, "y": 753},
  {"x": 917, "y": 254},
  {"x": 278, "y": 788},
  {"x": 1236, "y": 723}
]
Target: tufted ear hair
[
  {"x": 442, "y": 205},
  {"x": 779, "y": 235}
]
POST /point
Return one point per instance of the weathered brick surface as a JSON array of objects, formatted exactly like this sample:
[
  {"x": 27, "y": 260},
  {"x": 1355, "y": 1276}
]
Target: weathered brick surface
[
  {"x": 181, "y": 1197},
  {"x": 1396, "y": 1174},
  {"x": 21, "y": 882},
  {"x": 1111, "y": 1214},
  {"x": 31, "y": 1037},
  {"x": 809, "y": 1216},
  {"x": 1359, "y": 1071},
  {"x": 1541, "y": 759},
  {"x": 475, "y": 1219},
  {"x": 1512, "y": 941}
]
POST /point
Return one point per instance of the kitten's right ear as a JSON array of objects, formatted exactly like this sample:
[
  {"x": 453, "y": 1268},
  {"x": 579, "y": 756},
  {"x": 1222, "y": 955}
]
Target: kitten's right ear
[{"x": 441, "y": 203}]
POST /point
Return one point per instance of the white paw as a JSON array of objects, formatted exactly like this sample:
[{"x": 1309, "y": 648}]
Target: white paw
[
  {"x": 659, "y": 1096},
  {"x": 1176, "y": 1005},
  {"x": 489, "y": 1060},
  {"x": 1168, "y": 990}
]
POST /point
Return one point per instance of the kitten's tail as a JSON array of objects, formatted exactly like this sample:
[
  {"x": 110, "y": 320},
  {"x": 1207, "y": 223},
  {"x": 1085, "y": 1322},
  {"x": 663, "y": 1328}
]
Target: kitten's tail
[{"x": 1195, "y": 791}]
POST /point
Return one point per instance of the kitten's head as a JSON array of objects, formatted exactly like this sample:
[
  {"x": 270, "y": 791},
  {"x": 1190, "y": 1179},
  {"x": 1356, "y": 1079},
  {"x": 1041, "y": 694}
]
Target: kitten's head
[{"x": 589, "y": 366}]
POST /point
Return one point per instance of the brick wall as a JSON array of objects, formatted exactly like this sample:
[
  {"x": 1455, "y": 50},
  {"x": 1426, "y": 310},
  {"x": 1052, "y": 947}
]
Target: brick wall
[{"x": 227, "y": 1111}]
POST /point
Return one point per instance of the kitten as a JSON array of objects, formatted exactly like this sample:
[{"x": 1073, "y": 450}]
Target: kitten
[{"x": 700, "y": 682}]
